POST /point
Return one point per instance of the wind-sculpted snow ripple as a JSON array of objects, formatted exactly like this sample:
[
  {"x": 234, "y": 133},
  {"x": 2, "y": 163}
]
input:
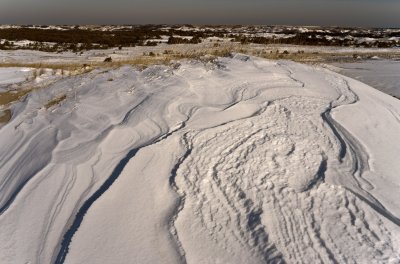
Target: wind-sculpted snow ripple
[
  {"x": 258, "y": 186},
  {"x": 240, "y": 160}
]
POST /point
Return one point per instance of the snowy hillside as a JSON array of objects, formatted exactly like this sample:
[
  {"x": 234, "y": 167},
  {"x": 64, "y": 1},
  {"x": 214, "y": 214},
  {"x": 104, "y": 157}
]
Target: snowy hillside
[{"x": 241, "y": 160}]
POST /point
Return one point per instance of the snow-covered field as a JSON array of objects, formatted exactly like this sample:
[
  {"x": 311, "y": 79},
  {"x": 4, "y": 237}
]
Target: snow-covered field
[
  {"x": 13, "y": 75},
  {"x": 241, "y": 160},
  {"x": 127, "y": 53},
  {"x": 383, "y": 75}
]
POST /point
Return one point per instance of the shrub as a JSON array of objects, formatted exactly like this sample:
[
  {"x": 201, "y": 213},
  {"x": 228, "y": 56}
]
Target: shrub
[{"x": 151, "y": 43}]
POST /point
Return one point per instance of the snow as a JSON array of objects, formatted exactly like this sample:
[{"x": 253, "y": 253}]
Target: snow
[
  {"x": 13, "y": 75},
  {"x": 241, "y": 160},
  {"x": 126, "y": 53},
  {"x": 378, "y": 73},
  {"x": 366, "y": 40}
]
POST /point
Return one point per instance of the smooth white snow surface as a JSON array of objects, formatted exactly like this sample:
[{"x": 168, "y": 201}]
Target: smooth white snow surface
[
  {"x": 383, "y": 75},
  {"x": 14, "y": 75},
  {"x": 243, "y": 160}
]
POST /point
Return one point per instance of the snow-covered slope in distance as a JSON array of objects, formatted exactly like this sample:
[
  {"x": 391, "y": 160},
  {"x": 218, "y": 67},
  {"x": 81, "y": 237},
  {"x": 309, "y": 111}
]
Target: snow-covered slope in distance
[
  {"x": 13, "y": 75},
  {"x": 242, "y": 160},
  {"x": 380, "y": 74}
]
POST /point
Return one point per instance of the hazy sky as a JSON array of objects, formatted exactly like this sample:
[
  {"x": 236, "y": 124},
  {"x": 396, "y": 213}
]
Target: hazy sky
[{"x": 375, "y": 13}]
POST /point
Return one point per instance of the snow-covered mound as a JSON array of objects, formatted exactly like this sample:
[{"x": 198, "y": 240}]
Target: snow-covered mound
[{"x": 242, "y": 160}]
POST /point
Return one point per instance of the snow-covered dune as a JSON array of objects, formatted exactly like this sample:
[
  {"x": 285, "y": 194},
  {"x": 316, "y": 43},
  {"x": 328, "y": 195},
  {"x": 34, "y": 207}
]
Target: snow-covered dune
[{"x": 241, "y": 160}]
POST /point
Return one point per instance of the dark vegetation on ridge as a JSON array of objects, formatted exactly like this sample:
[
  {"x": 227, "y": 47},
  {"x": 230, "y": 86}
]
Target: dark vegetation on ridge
[{"x": 78, "y": 38}]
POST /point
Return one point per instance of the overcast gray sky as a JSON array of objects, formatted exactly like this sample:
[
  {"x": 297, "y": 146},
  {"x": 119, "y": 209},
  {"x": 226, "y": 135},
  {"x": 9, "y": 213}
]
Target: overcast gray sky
[{"x": 378, "y": 13}]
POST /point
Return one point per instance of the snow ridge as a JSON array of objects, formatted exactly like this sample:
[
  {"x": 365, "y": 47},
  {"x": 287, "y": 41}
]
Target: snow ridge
[{"x": 86, "y": 206}]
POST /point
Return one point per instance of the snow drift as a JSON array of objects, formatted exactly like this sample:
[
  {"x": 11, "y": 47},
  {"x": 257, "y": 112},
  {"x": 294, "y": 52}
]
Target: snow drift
[{"x": 241, "y": 160}]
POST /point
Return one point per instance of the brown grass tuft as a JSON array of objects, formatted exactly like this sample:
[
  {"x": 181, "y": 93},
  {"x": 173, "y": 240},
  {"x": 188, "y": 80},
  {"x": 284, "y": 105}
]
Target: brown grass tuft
[
  {"x": 55, "y": 101},
  {"x": 5, "y": 116},
  {"x": 12, "y": 96}
]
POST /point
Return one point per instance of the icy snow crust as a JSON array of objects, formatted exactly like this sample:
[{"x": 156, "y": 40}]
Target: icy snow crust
[{"x": 239, "y": 161}]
